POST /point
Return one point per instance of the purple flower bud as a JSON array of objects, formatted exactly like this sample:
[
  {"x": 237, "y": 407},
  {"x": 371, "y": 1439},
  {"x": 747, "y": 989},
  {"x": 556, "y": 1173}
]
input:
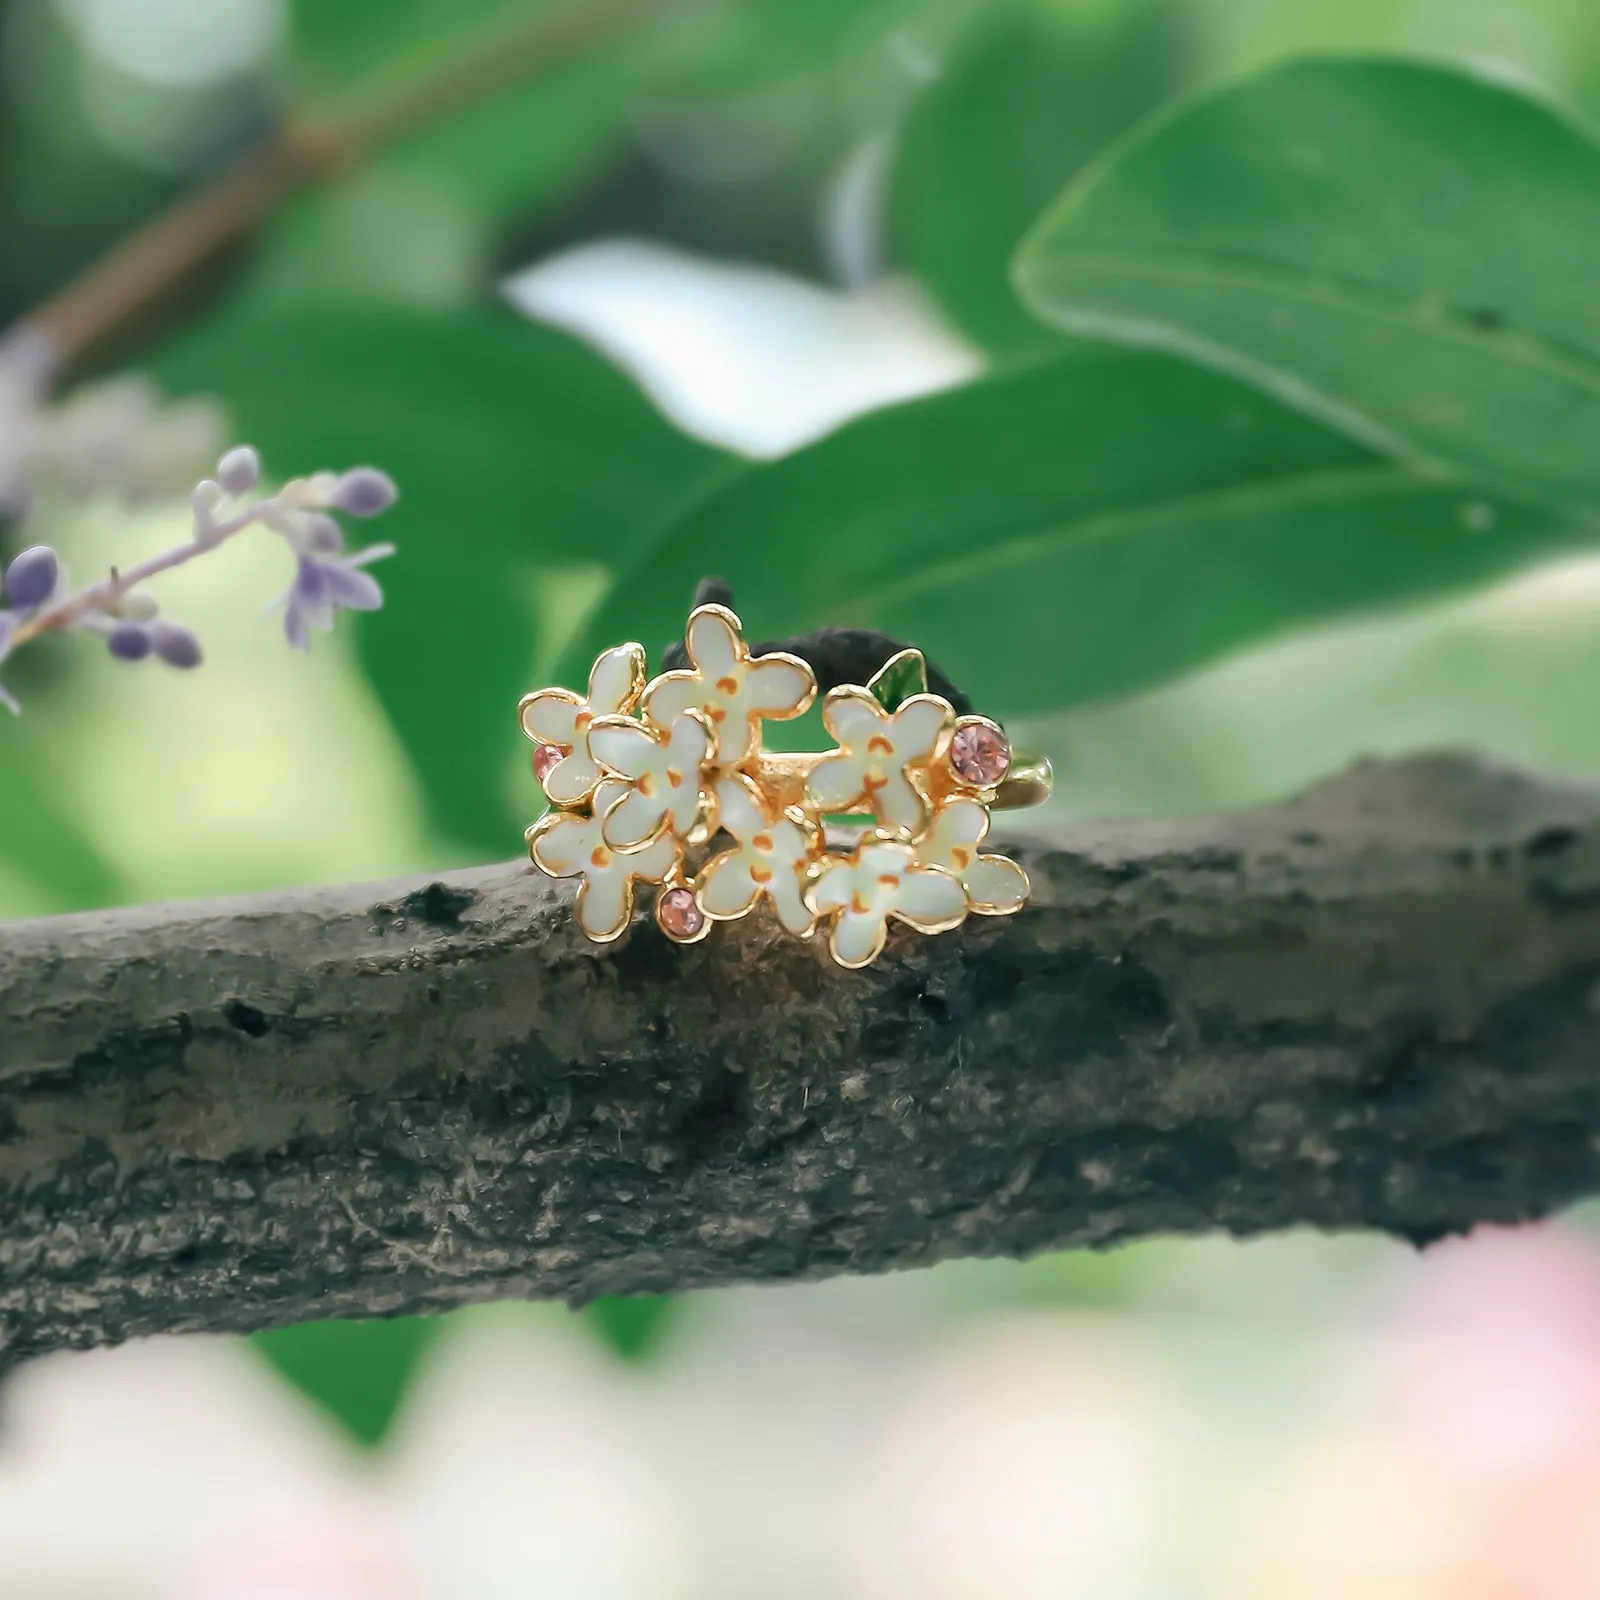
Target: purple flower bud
[
  {"x": 239, "y": 470},
  {"x": 175, "y": 645},
  {"x": 323, "y": 534},
  {"x": 129, "y": 641},
  {"x": 365, "y": 491},
  {"x": 31, "y": 578}
]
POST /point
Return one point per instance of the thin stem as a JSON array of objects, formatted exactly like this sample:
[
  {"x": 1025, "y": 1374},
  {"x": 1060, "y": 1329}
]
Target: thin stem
[
  {"x": 160, "y": 254},
  {"x": 105, "y": 594}
]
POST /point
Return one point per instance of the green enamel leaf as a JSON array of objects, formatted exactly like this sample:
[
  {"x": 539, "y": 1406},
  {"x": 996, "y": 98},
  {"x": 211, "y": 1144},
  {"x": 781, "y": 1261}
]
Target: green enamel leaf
[
  {"x": 1082, "y": 529},
  {"x": 1402, "y": 248},
  {"x": 900, "y": 677}
]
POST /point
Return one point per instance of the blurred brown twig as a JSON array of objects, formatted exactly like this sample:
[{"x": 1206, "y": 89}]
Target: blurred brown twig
[{"x": 304, "y": 152}]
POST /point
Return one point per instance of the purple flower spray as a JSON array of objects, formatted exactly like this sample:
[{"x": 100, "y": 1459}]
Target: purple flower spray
[{"x": 36, "y": 599}]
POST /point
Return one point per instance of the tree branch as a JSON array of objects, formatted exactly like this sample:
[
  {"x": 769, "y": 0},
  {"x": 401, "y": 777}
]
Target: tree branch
[
  {"x": 162, "y": 253},
  {"x": 1375, "y": 1006}
]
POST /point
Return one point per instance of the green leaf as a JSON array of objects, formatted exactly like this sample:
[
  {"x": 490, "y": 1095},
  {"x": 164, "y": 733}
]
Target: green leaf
[
  {"x": 1401, "y": 248},
  {"x": 1082, "y": 529},
  {"x": 356, "y": 1371},
  {"x": 40, "y": 844},
  {"x": 900, "y": 677},
  {"x": 633, "y": 1326},
  {"x": 517, "y": 451},
  {"x": 1025, "y": 102}
]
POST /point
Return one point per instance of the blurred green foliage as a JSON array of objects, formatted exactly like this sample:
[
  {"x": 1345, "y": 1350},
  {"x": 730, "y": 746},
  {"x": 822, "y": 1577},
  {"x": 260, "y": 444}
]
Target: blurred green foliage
[
  {"x": 1387, "y": 262},
  {"x": 633, "y": 1325},
  {"x": 40, "y": 842},
  {"x": 1369, "y": 237},
  {"x": 357, "y": 1371},
  {"x": 1026, "y": 100},
  {"x": 1076, "y": 530},
  {"x": 521, "y": 452}
]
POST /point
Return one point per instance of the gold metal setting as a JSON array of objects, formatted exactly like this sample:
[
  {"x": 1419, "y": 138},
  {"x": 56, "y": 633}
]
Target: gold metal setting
[{"x": 666, "y": 783}]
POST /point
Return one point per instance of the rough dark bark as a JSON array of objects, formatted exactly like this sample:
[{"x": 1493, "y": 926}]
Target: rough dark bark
[{"x": 1375, "y": 1006}]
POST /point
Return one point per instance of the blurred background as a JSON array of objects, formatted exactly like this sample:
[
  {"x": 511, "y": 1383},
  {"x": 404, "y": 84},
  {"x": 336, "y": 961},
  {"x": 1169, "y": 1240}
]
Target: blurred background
[{"x": 712, "y": 236}]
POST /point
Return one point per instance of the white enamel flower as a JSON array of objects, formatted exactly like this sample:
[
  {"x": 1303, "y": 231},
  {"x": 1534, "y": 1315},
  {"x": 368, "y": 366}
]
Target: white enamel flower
[
  {"x": 730, "y": 687},
  {"x": 771, "y": 859},
  {"x": 558, "y": 721},
  {"x": 663, "y": 773},
  {"x": 566, "y": 844},
  {"x": 882, "y": 879},
  {"x": 877, "y": 749},
  {"x": 995, "y": 885}
]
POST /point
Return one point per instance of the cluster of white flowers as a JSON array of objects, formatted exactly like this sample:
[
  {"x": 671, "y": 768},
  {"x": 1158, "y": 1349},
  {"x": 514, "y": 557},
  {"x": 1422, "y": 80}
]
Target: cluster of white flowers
[{"x": 642, "y": 774}]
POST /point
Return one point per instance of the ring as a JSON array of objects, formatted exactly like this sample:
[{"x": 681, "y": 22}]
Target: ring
[{"x": 666, "y": 783}]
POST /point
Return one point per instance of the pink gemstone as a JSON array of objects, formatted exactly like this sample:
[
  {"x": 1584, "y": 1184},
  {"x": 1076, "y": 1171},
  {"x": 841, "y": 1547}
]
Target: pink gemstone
[
  {"x": 979, "y": 754},
  {"x": 678, "y": 914},
  {"x": 546, "y": 757}
]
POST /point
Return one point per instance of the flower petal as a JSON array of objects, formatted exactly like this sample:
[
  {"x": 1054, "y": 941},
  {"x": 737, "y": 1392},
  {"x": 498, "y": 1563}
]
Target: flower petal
[
  {"x": 633, "y": 819},
  {"x": 570, "y": 780},
  {"x": 352, "y": 588},
  {"x": 616, "y": 679},
  {"x": 898, "y": 804},
  {"x": 958, "y": 829},
  {"x": 715, "y": 645},
  {"x": 996, "y": 886},
  {"x": 605, "y": 903},
  {"x": 787, "y": 893},
  {"x": 833, "y": 888},
  {"x": 853, "y": 717},
  {"x": 294, "y": 623},
  {"x": 688, "y": 744},
  {"x": 930, "y": 899},
  {"x": 726, "y": 889},
  {"x": 312, "y": 594},
  {"x": 919, "y": 726},
  {"x": 835, "y": 783},
  {"x": 655, "y": 861},
  {"x": 683, "y": 806},
  {"x": 790, "y": 842},
  {"x": 857, "y": 938},
  {"x": 551, "y": 716},
  {"x": 779, "y": 686},
  {"x": 625, "y": 747},
  {"x": 739, "y": 808},
  {"x": 563, "y": 845},
  {"x": 670, "y": 695},
  {"x": 885, "y": 859}
]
